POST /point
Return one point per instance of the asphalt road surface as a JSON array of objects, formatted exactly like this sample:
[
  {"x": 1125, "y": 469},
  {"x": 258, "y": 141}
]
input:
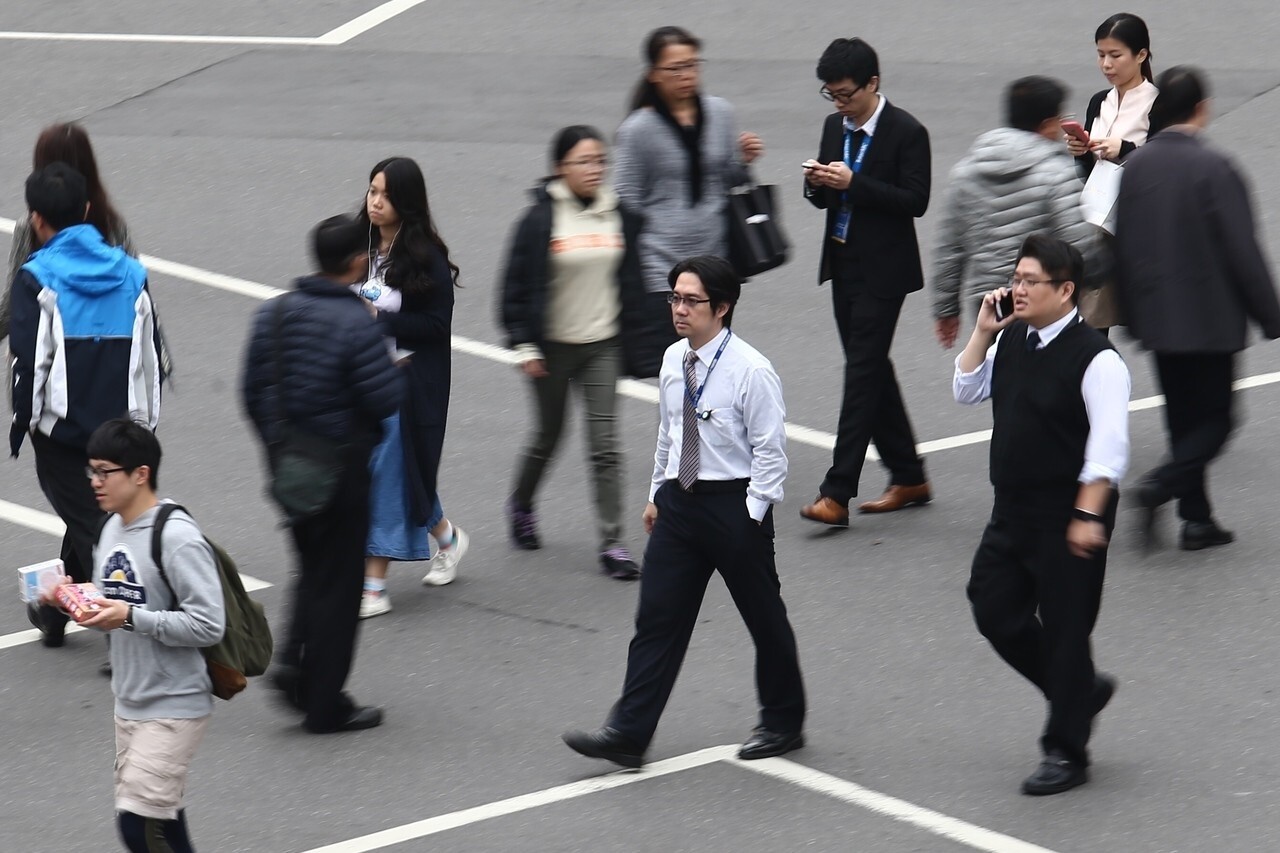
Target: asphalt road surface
[{"x": 226, "y": 128}]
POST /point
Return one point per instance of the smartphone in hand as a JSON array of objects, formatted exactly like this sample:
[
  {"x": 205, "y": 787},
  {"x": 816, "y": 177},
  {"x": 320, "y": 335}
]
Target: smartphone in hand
[
  {"x": 1004, "y": 306},
  {"x": 1076, "y": 130}
]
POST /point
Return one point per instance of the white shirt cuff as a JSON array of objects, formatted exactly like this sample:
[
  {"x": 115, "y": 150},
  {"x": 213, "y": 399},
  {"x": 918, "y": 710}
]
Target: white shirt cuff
[{"x": 756, "y": 508}]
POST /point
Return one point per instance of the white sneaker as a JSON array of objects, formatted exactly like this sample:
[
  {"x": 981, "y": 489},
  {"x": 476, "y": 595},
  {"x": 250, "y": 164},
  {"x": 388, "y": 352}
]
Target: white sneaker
[
  {"x": 444, "y": 566},
  {"x": 374, "y": 603}
]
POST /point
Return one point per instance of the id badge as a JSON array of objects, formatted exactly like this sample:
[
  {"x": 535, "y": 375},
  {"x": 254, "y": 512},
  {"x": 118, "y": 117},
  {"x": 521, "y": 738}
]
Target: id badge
[{"x": 840, "y": 229}]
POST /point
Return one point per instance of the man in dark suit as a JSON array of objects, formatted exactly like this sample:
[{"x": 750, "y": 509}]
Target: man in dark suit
[
  {"x": 872, "y": 178},
  {"x": 1190, "y": 276}
]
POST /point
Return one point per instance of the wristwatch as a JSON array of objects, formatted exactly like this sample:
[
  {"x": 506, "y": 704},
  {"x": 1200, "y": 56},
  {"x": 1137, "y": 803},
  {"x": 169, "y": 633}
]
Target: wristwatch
[
  {"x": 128, "y": 620},
  {"x": 1085, "y": 515}
]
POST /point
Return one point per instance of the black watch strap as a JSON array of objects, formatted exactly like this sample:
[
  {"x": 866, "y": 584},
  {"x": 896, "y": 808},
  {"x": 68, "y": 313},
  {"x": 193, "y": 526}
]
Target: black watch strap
[{"x": 1085, "y": 515}]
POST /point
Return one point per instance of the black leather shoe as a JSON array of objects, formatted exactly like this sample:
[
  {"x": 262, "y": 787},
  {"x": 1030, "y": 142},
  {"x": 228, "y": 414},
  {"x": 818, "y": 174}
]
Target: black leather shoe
[
  {"x": 1056, "y": 774},
  {"x": 766, "y": 744},
  {"x": 606, "y": 743},
  {"x": 1104, "y": 687},
  {"x": 361, "y": 717},
  {"x": 287, "y": 681},
  {"x": 50, "y": 622},
  {"x": 1204, "y": 534},
  {"x": 1150, "y": 498}
]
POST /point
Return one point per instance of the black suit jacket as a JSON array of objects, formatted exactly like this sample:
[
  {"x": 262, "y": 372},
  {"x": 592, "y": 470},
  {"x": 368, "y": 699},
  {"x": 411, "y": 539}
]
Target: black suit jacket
[
  {"x": 1190, "y": 272},
  {"x": 886, "y": 196}
]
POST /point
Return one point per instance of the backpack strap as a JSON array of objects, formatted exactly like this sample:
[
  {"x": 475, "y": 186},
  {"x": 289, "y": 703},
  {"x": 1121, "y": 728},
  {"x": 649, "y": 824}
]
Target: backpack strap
[{"x": 162, "y": 515}]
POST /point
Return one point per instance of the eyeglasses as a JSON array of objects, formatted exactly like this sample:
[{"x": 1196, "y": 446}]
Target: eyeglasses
[
  {"x": 100, "y": 473},
  {"x": 1032, "y": 282},
  {"x": 840, "y": 97},
  {"x": 601, "y": 162},
  {"x": 684, "y": 69},
  {"x": 675, "y": 299}
]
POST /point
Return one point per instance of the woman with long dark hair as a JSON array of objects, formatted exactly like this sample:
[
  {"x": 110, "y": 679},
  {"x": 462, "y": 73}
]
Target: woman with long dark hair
[
  {"x": 1118, "y": 120},
  {"x": 676, "y": 157},
  {"x": 572, "y": 272},
  {"x": 410, "y": 292}
]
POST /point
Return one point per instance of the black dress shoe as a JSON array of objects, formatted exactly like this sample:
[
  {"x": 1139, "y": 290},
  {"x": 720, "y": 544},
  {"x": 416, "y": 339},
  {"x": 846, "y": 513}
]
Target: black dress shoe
[
  {"x": 361, "y": 717},
  {"x": 287, "y": 681},
  {"x": 606, "y": 743},
  {"x": 1204, "y": 534},
  {"x": 1150, "y": 497},
  {"x": 1056, "y": 774},
  {"x": 50, "y": 622},
  {"x": 1104, "y": 687},
  {"x": 766, "y": 744}
]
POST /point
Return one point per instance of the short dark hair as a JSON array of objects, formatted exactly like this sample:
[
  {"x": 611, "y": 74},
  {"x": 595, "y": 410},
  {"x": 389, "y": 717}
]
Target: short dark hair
[
  {"x": 128, "y": 444},
  {"x": 1182, "y": 88},
  {"x": 1061, "y": 261},
  {"x": 336, "y": 241},
  {"x": 1031, "y": 101},
  {"x": 720, "y": 281},
  {"x": 59, "y": 194},
  {"x": 568, "y": 138},
  {"x": 848, "y": 59}
]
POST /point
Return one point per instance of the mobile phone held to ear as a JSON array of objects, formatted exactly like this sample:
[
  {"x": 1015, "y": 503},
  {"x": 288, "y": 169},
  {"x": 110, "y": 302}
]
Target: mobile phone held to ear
[
  {"x": 1004, "y": 307},
  {"x": 1076, "y": 129}
]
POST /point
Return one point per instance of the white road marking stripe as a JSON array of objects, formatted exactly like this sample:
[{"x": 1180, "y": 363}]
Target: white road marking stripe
[
  {"x": 931, "y": 821},
  {"x": 900, "y": 810},
  {"x": 21, "y": 638},
  {"x": 337, "y": 36},
  {"x": 367, "y": 21},
  {"x": 524, "y": 802}
]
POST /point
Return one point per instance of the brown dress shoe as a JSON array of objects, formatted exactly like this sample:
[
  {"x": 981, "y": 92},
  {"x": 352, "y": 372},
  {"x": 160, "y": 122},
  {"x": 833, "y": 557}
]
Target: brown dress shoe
[
  {"x": 825, "y": 510},
  {"x": 898, "y": 497}
]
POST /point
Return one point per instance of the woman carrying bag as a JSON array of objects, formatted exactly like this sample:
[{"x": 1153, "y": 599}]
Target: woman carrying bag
[{"x": 571, "y": 285}]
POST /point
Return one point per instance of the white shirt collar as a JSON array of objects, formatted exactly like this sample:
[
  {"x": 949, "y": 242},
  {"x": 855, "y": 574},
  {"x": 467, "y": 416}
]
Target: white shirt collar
[
  {"x": 707, "y": 351},
  {"x": 1051, "y": 331},
  {"x": 870, "y": 127}
]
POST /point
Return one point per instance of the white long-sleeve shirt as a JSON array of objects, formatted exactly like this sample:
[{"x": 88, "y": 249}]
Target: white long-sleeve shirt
[
  {"x": 1105, "y": 388},
  {"x": 744, "y": 434}
]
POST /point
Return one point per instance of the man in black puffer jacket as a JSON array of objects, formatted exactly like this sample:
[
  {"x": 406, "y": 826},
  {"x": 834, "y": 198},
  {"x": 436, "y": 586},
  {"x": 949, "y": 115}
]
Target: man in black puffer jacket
[{"x": 317, "y": 361}]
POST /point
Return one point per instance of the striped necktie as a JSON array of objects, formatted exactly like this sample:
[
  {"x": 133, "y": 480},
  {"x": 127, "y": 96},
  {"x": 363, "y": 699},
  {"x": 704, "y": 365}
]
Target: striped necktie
[{"x": 688, "y": 474}]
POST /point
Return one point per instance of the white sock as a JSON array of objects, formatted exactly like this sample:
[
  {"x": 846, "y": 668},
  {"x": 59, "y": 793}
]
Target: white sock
[
  {"x": 445, "y": 540},
  {"x": 375, "y": 584}
]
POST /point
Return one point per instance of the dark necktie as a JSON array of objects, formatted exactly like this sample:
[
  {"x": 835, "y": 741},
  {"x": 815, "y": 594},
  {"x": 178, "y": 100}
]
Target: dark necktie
[
  {"x": 1033, "y": 340},
  {"x": 688, "y": 473}
]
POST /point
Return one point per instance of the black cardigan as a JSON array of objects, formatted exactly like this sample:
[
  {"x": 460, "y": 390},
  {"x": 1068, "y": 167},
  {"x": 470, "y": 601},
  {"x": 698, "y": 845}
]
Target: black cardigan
[
  {"x": 1084, "y": 163},
  {"x": 424, "y": 324},
  {"x": 522, "y": 299}
]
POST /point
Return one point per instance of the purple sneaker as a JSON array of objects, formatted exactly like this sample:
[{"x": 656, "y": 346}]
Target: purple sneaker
[
  {"x": 524, "y": 527},
  {"x": 618, "y": 564}
]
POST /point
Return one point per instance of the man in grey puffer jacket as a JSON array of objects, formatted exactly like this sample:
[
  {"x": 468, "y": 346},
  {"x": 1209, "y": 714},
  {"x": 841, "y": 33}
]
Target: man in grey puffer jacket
[{"x": 1014, "y": 180}]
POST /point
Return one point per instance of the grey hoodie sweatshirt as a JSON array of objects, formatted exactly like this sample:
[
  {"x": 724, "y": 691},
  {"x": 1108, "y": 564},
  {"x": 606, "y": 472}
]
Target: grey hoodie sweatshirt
[
  {"x": 157, "y": 670},
  {"x": 1011, "y": 183}
]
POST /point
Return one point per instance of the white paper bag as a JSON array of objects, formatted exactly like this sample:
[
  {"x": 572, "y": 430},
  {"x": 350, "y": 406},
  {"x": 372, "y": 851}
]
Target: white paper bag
[{"x": 1098, "y": 201}]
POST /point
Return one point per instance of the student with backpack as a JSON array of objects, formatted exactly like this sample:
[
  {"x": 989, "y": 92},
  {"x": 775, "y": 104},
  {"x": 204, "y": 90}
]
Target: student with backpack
[{"x": 159, "y": 620}]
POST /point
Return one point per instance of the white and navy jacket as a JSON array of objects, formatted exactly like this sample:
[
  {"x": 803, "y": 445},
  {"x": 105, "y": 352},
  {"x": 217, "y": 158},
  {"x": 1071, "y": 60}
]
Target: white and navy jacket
[{"x": 84, "y": 341}]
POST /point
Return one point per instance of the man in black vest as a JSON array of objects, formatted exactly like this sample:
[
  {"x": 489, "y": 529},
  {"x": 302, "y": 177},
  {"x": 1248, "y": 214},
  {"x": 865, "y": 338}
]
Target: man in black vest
[{"x": 1059, "y": 447}]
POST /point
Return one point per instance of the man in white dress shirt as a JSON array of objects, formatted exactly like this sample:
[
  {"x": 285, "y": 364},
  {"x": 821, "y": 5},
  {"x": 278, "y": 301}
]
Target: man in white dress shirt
[
  {"x": 718, "y": 471},
  {"x": 1059, "y": 447}
]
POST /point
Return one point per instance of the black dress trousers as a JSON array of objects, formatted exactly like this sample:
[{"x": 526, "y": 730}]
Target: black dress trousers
[
  {"x": 1198, "y": 414},
  {"x": 321, "y": 637},
  {"x": 60, "y": 470},
  {"x": 872, "y": 409},
  {"x": 695, "y": 535},
  {"x": 1036, "y": 603}
]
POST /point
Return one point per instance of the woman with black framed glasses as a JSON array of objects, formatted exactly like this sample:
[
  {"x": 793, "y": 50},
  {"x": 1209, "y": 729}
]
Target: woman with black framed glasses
[
  {"x": 572, "y": 274},
  {"x": 676, "y": 157}
]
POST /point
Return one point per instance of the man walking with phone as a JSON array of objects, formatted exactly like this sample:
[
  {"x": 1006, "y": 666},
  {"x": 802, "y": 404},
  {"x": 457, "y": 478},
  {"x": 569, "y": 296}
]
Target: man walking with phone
[{"x": 1059, "y": 447}]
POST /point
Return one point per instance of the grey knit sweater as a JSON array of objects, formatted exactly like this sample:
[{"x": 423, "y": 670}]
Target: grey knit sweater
[{"x": 650, "y": 176}]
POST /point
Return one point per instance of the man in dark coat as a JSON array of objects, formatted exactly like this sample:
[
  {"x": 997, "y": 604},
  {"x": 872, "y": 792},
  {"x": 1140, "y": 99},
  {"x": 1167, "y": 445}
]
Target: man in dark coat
[
  {"x": 317, "y": 361},
  {"x": 872, "y": 177},
  {"x": 1191, "y": 276}
]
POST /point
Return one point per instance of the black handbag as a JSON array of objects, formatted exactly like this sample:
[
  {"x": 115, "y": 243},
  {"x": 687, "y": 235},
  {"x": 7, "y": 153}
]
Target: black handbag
[
  {"x": 756, "y": 241},
  {"x": 306, "y": 469}
]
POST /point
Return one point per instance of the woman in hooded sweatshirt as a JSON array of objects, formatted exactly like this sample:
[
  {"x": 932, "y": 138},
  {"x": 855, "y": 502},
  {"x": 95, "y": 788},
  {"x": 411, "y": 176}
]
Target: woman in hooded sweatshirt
[
  {"x": 677, "y": 156},
  {"x": 572, "y": 269}
]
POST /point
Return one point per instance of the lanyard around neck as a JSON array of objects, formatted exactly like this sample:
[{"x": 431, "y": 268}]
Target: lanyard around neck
[
  {"x": 696, "y": 398},
  {"x": 855, "y": 164}
]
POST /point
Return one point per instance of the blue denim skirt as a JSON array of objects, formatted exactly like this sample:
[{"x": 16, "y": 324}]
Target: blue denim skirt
[{"x": 392, "y": 532}]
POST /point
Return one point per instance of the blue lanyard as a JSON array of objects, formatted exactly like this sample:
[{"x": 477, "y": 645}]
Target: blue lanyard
[
  {"x": 696, "y": 398},
  {"x": 855, "y": 165}
]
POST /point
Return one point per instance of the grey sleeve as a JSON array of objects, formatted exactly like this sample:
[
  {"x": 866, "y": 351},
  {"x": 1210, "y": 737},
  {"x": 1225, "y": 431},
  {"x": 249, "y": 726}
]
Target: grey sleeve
[
  {"x": 949, "y": 255},
  {"x": 629, "y": 173},
  {"x": 190, "y": 566}
]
